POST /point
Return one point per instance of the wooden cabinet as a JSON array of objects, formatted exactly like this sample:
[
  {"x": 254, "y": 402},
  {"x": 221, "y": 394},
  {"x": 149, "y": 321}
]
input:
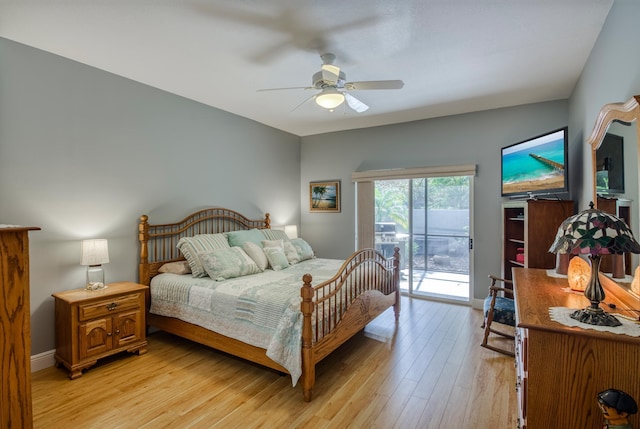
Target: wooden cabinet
[
  {"x": 15, "y": 331},
  {"x": 528, "y": 230},
  {"x": 94, "y": 324},
  {"x": 561, "y": 369}
]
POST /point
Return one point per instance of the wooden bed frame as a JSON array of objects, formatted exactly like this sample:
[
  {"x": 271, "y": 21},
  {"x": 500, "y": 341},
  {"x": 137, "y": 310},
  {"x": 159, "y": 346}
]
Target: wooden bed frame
[{"x": 374, "y": 280}]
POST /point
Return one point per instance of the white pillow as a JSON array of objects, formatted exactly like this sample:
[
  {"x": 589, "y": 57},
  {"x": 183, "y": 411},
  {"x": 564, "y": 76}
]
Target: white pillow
[
  {"x": 290, "y": 252},
  {"x": 273, "y": 243},
  {"x": 256, "y": 253}
]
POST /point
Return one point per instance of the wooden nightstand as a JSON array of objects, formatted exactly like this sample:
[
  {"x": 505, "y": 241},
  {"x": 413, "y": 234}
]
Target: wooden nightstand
[{"x": 94, "y": 324}]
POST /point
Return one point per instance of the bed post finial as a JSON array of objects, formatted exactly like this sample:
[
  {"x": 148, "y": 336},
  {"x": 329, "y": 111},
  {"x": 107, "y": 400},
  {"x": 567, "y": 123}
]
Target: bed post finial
[
  {"x": 267, "y": 221},
  {"x": 308, "y": 366},
  {"x": 143, "y": 237}
]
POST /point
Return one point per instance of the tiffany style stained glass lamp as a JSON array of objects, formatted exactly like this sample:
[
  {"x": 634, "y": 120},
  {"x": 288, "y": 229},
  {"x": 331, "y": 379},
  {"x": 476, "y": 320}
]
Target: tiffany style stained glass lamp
[{"x": 594, "y": 233}]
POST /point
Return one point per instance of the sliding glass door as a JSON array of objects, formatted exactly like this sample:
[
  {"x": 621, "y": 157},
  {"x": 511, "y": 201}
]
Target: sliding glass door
[{"x": 428, "y": 218}]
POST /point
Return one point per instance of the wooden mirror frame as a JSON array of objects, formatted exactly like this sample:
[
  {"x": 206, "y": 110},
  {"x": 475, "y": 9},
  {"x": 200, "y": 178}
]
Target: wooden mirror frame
[{"x": 625, "y": 112}]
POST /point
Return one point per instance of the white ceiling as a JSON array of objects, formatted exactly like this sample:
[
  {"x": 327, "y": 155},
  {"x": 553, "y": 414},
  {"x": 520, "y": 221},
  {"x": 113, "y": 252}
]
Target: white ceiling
[{"x": 454, "y": 56}]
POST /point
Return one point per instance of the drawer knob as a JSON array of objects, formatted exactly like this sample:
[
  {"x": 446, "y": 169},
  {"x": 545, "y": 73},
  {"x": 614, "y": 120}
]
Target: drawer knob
[{"x": 112, "y": 306}]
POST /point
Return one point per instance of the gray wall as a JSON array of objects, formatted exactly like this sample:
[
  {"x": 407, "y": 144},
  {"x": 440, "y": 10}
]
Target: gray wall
[
  {"x": 84, "y": 153},
  {"x": 611, "y": 75},
  {"x": 474, "y": 138}
]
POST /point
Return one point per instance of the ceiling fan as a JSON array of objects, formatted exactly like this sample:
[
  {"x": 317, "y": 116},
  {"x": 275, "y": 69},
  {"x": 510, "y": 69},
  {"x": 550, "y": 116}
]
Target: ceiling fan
[{"x": 331, "y": 82}]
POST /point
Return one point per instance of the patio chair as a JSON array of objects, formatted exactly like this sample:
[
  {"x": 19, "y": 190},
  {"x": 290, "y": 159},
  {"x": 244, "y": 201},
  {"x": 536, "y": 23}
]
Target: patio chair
[{"x": 499, "y": 307}]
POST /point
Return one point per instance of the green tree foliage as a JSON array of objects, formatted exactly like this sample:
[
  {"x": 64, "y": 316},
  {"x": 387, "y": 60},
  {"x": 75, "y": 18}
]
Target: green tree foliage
[
  {"x": 391, "y": 202},
  {"x": 318, "y": 192},
  {"x": 448, "y": 192},
  {"x": 391, "y": 197}
]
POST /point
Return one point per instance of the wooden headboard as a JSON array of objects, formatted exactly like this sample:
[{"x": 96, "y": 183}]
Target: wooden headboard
[{"x": 158, "y": 242}]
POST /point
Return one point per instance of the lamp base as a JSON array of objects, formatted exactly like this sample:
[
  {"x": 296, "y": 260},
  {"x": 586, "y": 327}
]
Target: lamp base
[
  {"x": 595, "y": 316},
  {"x": 95, "y": 278},
  {"x": 95, "y": 286}
]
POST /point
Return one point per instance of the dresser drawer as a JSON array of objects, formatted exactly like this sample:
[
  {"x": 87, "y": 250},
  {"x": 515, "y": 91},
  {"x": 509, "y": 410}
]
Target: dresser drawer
[{"x": 108, "y": 306}]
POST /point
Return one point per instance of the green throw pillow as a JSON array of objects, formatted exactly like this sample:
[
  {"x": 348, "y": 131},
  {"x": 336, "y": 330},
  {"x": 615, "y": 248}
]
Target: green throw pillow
[
  {"x": 228, "y": 263},
  {"x": 304, "y": 249},
  {"x": 277, "y": 259},
  {"x": 191, "y": 246},
  {"x": 238, "y": 238}
]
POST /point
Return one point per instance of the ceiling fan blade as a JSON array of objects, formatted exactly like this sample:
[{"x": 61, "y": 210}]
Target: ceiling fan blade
[
  {"x": 282, "y": 89},
  {"x": 373, "y": 84},
  {"x": 305, "y": 100},
  {"x": 271, "y": 54},
  {"x": 365, "y": 21},
  {"x": 355, "y": 104}
]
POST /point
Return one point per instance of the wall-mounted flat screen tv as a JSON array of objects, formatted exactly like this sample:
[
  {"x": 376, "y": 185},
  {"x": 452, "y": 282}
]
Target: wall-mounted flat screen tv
[
  {"x": 610, "y": 165},
  {"x": 536, "y": 166}
]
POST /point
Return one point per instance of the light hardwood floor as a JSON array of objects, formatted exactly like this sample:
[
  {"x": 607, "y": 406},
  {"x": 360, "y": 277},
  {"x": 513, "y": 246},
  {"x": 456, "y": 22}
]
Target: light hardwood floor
[{"x": 430, "y": 372}]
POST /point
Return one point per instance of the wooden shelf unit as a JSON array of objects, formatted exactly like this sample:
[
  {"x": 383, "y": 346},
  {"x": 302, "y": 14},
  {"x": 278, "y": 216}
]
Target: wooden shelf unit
[{"x": 531, "y": 225}]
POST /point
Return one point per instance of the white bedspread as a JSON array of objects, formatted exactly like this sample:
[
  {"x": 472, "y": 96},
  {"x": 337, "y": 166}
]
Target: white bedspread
[{"x": 261, "y": 309}]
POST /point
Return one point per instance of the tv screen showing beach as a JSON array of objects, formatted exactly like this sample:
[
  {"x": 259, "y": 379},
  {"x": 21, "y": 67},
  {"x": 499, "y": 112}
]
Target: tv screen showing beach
[{"x": 535, "y": 166}]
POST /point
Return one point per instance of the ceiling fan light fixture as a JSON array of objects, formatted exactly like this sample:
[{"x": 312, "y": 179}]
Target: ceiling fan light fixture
[{"x": 330, "y": 98}]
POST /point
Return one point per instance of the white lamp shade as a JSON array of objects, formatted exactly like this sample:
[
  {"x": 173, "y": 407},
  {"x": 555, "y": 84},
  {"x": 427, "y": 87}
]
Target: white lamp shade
[
  {"x": 95, "y": 252},
  {"x": 330, "y": 98},
  {"x": 291, "y": 231}
]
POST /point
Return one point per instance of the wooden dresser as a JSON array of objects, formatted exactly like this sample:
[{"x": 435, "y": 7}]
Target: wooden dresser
[
  {"x": 15, "y": 332},
  {"x": 560, "y": 369}
]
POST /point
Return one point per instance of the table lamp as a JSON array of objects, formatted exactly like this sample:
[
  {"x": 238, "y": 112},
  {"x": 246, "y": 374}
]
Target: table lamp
[
  {"x": 291, "y": 231},
  {"x": 94, "y": 254},
  {"x": 594, "y": 233}
]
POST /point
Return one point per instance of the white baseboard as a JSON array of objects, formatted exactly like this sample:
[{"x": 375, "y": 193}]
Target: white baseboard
[
  {"x": 477, "y": 303},
  {"x": 42, "y": 360}
]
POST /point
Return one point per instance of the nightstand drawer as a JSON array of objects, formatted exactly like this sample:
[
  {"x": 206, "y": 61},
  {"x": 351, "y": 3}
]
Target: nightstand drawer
[{"x": 108, "y": 306}]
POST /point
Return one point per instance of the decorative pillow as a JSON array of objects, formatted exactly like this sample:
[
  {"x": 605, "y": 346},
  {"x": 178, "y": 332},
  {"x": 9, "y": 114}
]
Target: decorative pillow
[
  {"x": 180, "y": 267},
  {"x": 272, "y": 243},
  {"x": 191, "y": 246},
  {"x": 304, "y": 249},
  {"x": 237, "y": 238},
  {"x": 277, "y": 258},
  {"x": 226, "y": 263},
  {"x": 275, "y": 234},
  {"x": 256, "y": 253},
  {"x": 291, "y": 253}
]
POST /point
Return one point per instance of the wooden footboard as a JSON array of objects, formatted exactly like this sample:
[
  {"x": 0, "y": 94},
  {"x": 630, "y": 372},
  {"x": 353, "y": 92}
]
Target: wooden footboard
[{"x": 365, "y": 286}]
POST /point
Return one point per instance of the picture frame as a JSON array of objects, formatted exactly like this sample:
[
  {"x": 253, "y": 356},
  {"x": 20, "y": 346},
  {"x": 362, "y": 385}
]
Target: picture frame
[{"x": 324, "y": 197}]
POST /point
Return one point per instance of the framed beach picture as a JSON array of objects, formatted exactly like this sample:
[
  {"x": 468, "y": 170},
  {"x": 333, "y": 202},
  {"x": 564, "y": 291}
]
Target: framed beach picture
[{"x": 324, "y": 196}]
